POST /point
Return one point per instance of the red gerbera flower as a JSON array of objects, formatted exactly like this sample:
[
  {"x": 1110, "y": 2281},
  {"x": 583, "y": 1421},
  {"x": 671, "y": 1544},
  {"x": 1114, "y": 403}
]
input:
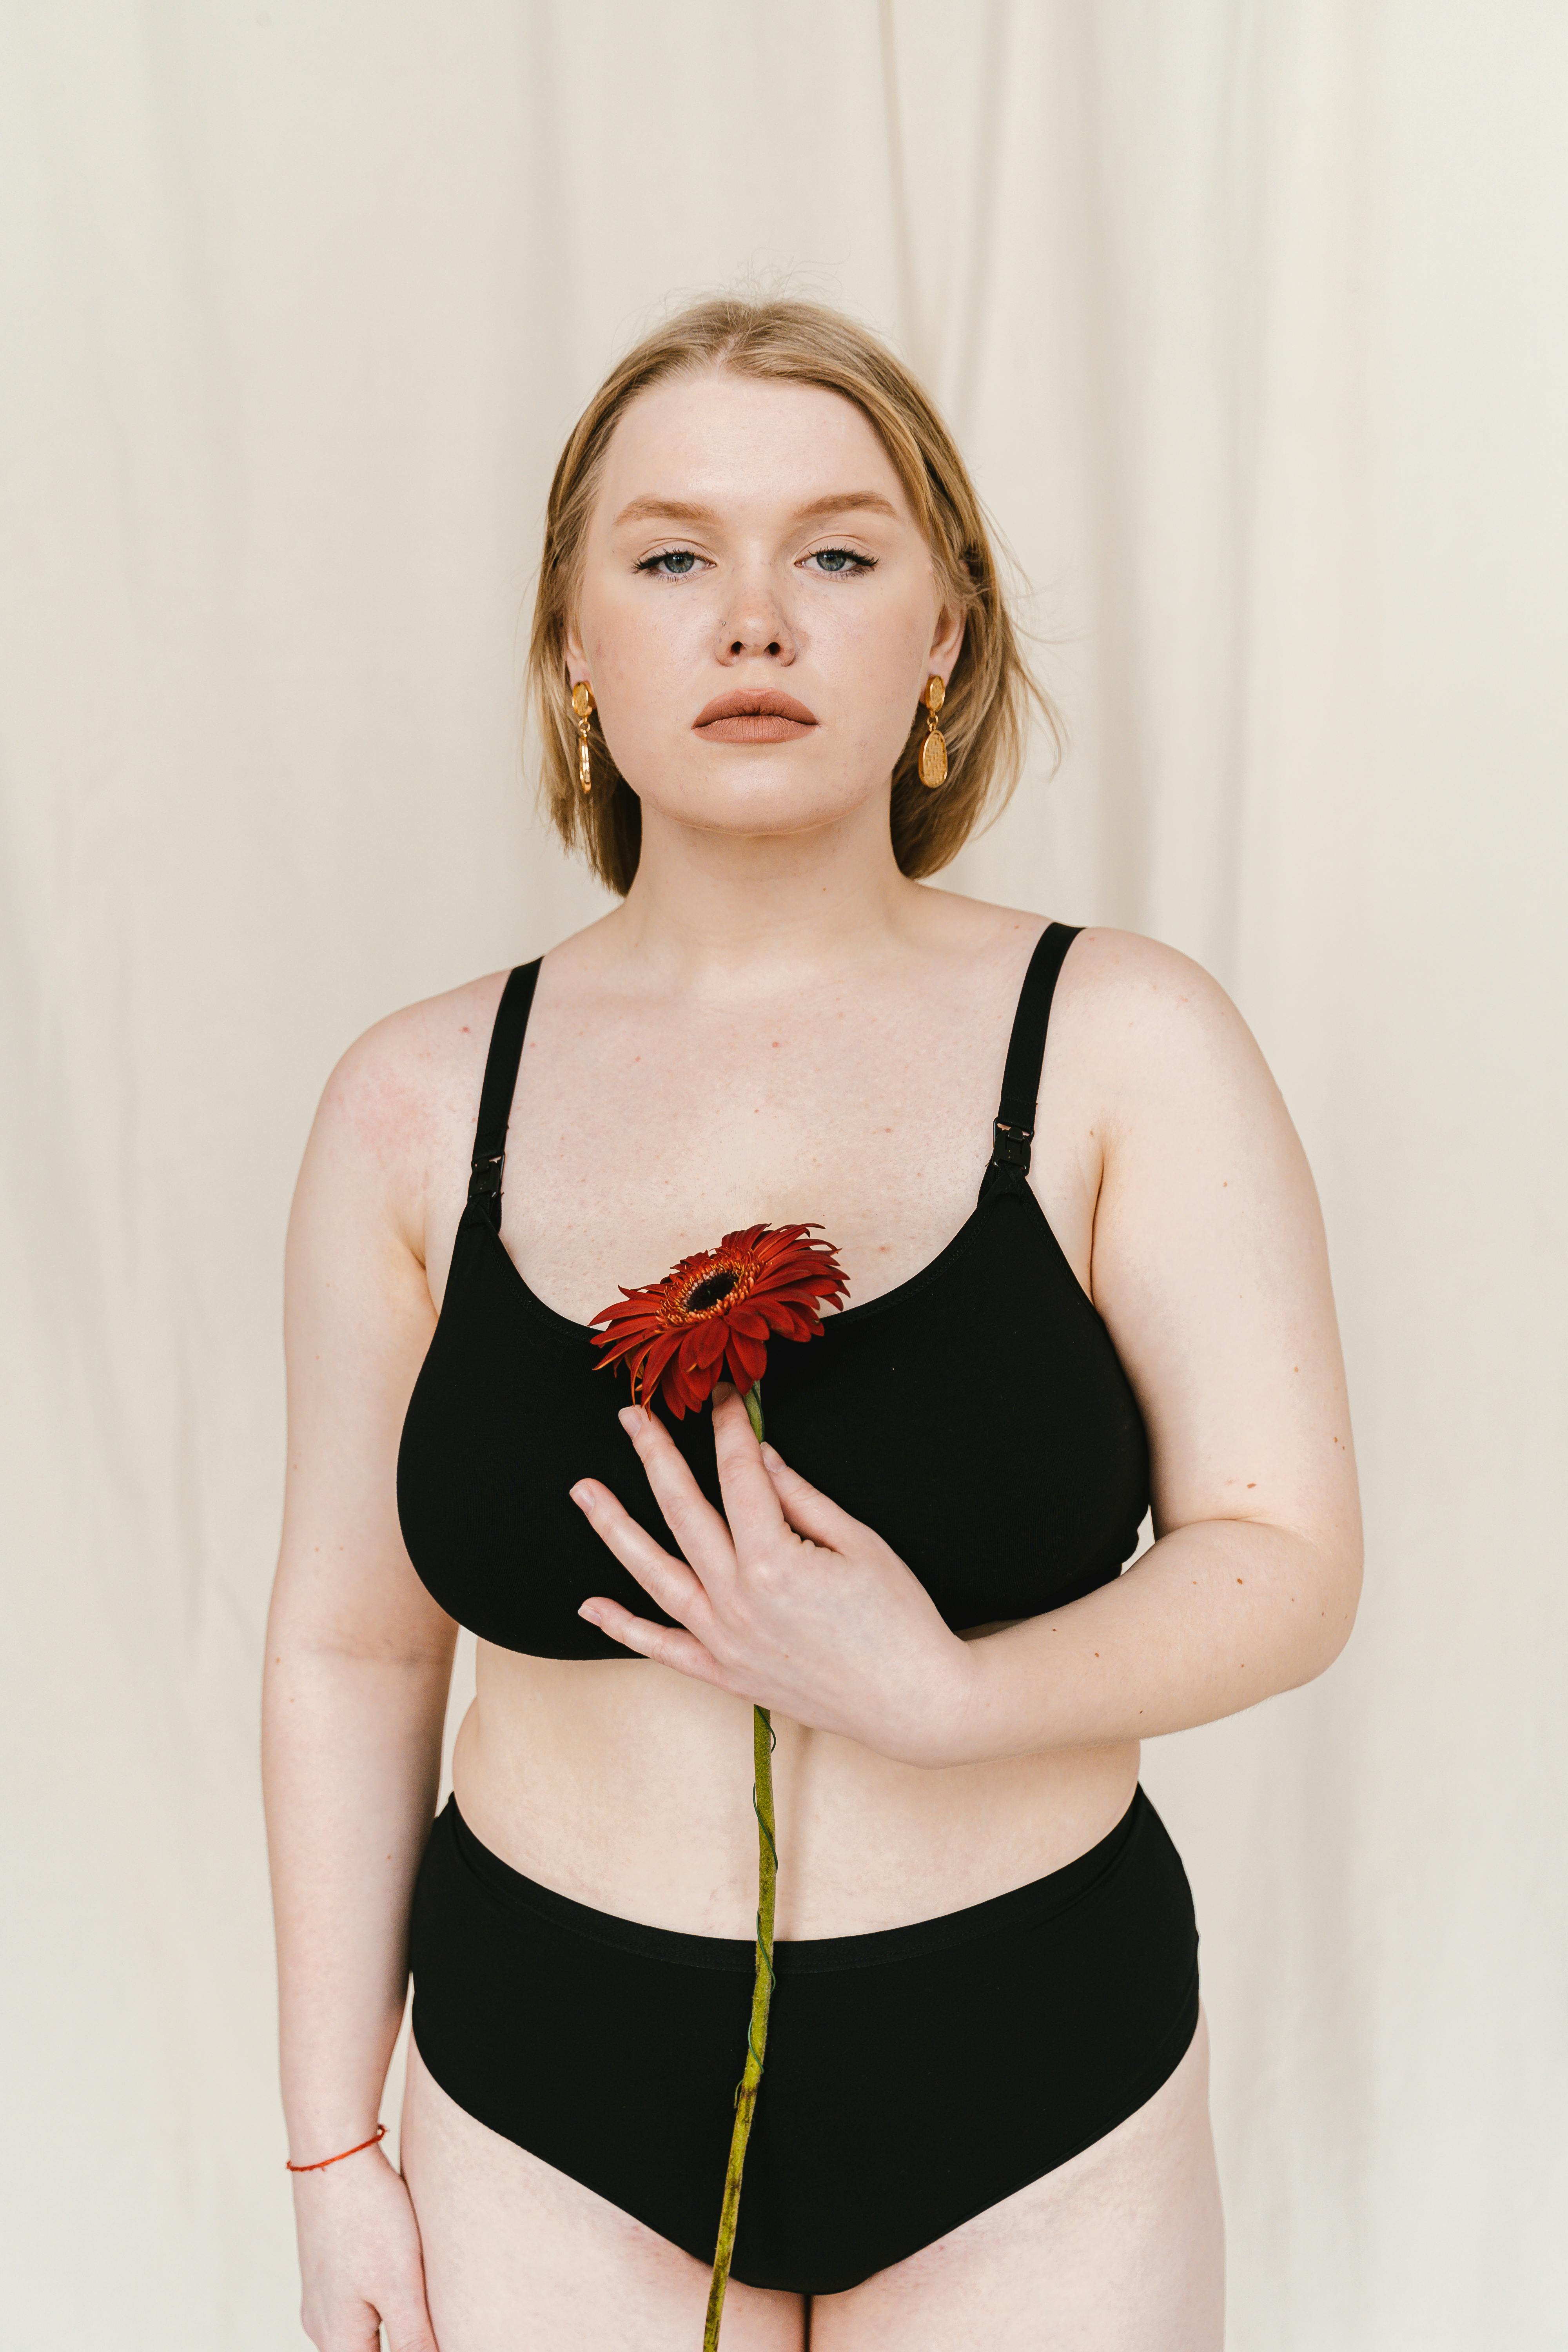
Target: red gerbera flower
[{"x": 720, "y": 1307}]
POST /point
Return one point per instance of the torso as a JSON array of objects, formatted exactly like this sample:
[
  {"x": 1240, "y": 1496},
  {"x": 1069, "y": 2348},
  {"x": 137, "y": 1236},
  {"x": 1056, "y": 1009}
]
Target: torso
[{"x": 642, "y": 1130}]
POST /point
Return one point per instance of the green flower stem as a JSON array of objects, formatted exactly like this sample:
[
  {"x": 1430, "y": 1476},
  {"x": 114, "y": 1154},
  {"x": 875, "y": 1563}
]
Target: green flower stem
[{"x": 762, "y": 1988}]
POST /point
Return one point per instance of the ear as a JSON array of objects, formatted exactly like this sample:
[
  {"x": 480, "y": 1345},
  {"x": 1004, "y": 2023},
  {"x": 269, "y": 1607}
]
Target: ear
[
  {"x": 576, "y": 660},
  {"x": 947, "y": 643}
]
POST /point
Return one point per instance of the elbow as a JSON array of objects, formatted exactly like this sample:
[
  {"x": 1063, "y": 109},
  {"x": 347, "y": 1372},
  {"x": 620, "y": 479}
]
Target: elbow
[{"x": 1335, "y": 1588}]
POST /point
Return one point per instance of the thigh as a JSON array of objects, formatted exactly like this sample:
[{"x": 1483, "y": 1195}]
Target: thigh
[
  {"x": 1121, "y": 2250},
  {"x": 521, "y": 2258}
]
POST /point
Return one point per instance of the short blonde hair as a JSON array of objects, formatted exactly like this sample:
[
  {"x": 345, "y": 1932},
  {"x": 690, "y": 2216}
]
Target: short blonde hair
[{"x": 984, "y": 715}]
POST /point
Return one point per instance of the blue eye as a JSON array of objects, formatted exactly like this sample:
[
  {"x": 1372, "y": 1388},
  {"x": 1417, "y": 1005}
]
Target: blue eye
[
  {"x": 837, "y": 561},
  {"x": 680, "y": 560}
]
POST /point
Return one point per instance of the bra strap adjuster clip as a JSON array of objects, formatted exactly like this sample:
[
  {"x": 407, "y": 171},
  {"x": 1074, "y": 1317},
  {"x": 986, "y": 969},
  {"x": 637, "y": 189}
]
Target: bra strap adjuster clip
[
  {"x": 484, "y": 1184},
  {"x": 1010, "y": 1145}
]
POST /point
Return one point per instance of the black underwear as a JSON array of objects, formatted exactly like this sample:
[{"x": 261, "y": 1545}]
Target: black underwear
[{"x": 914, "y": 2077}]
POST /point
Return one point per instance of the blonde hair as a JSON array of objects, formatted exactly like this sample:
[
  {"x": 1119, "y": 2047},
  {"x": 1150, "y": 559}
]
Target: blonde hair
[{"x": 983, "y": 717}]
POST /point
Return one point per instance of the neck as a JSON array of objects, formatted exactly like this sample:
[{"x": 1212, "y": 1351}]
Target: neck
[{"x": 739, "y": 909}]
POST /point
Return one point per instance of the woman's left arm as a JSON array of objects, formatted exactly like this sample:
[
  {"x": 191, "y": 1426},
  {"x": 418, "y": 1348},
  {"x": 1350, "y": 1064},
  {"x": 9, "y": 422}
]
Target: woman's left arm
[{"x": 1211, "y": 1273}]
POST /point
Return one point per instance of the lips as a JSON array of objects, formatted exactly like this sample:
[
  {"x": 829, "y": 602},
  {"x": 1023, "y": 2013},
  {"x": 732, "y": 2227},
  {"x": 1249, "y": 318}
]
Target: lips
[{"x": 759, "y": 716}]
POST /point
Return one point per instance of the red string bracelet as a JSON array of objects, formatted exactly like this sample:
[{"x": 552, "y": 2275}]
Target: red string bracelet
[{"x": 378, "y": 2134}]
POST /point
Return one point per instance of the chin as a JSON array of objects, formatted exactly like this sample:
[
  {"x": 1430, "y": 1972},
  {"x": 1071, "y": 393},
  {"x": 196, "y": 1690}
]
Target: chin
[{"x": 762, "y": 808}]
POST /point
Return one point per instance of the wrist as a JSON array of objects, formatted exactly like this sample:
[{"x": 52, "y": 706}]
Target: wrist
[
  {"x": 319, "y": 2126},
  {"x": 332, "y": 2084},
  {"x": 947, "y": 1731},
  {"x": 972, "y": 1727},
  {"x": 359, "y": 2145}
]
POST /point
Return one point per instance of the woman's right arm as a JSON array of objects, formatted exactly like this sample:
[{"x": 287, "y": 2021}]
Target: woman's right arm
[{"x": 358, "y": 1663}]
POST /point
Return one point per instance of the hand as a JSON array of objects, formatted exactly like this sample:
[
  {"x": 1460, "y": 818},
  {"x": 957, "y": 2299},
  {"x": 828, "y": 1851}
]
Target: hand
[
  {"x": 360, "y": 2259},
  {"x": 785, "y": 1599}
]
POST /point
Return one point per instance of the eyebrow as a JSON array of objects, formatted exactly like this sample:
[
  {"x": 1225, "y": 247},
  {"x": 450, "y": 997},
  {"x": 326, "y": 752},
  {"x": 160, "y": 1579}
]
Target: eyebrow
[{"x": 650, "y": 510}]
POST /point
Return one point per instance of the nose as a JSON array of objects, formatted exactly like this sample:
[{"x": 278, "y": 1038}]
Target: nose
[{"x": 753, "y": 622}]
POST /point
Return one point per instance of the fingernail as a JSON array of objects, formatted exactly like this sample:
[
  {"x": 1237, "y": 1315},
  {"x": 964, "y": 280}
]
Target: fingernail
[
  {"x": 631, "y": 1417},
  {"x": 590, "y": 1613},
  {"x": 772, "y": 1456},
  {"x": 582, "y": 1494}
]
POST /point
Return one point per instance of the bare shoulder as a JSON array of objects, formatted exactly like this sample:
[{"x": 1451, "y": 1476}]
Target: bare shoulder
[
  {"x": 1130, "y": 1017},
  {"x": 1125, "y": 980},
  {"x": 394, "y": 1097},
  {"x": 1156, "y": 1030}
]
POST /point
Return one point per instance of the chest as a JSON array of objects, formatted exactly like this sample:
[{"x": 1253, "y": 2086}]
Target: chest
[
  {"x": 635, "y": 1139},
  {"x": 968, "y": 1402},
  {"x": 975, "y": 1415}
]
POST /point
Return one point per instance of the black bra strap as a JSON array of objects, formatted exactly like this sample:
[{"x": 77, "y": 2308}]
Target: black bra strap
[
  {"x": 1014, "y": 1132},
  {"x": 501, "y": 1083}
]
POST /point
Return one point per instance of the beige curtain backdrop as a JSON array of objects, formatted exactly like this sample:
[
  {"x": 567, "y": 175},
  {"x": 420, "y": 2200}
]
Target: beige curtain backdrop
[{"x": 1251, "y": 316}]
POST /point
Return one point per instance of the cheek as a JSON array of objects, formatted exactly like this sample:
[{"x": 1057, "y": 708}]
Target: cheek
[
  {"x": 875, "y": 653},
  {"x": 635, "y": 635},
  {"x": 641, "y": 653}
]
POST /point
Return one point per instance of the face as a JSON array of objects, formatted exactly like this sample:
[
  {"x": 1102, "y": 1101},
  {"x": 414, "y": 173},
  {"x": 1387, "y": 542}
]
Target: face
[{"x": 759, "y": 613}]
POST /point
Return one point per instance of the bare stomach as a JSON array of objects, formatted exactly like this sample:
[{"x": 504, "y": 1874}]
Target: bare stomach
[{"x": 628, "y": 1787}]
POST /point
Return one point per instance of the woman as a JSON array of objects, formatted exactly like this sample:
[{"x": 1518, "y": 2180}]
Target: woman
[{"x": 983, "y": 2119}]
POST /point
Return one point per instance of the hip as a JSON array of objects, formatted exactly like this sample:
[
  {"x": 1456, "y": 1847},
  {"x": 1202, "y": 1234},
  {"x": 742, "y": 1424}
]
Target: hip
[{"x": 989, "y": 2044}]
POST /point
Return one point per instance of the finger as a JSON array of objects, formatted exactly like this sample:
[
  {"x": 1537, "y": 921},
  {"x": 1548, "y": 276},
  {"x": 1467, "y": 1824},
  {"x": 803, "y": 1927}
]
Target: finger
[
  {"x": 677, "y": 1588},
  {"x": 408, "y": 2329},
  {"x": 808, "y": 1511},
  {"x": 331, "y": 2334},
  {"x": 691, "y": 1520},
  {"x": 667, "y": 1645},
  {"x": 751, "y": 1502}
]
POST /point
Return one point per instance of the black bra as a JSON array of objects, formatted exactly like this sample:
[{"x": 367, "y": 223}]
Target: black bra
[{"x": 977, "y": 1416}]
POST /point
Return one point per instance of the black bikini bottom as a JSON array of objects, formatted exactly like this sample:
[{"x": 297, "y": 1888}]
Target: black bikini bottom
[{"x": 913, "y": 2077}]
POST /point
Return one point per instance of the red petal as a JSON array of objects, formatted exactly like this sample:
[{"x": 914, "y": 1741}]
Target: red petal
[
  {"x": 686, "y": 1390},
  {"x": 797, "y": 1327},
  {"x": 741, "y": 1245},
  {"x": 654, "y": 1360},
  {"x": 629, "y": 1303},
  {"x": 748, "y": 1360},
  {"x": 614, "y": 1355},
  {"x": 707, "y": 1343}
]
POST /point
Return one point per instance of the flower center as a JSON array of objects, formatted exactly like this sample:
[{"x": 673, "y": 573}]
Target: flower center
[{"x": 712, "y": 1291}]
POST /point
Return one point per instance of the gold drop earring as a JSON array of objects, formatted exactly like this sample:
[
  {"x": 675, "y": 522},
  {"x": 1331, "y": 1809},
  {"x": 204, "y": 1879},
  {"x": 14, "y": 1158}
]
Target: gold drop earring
[
  {"x": 583, "y": 710},
  {"x": 934, "y": 751}
]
